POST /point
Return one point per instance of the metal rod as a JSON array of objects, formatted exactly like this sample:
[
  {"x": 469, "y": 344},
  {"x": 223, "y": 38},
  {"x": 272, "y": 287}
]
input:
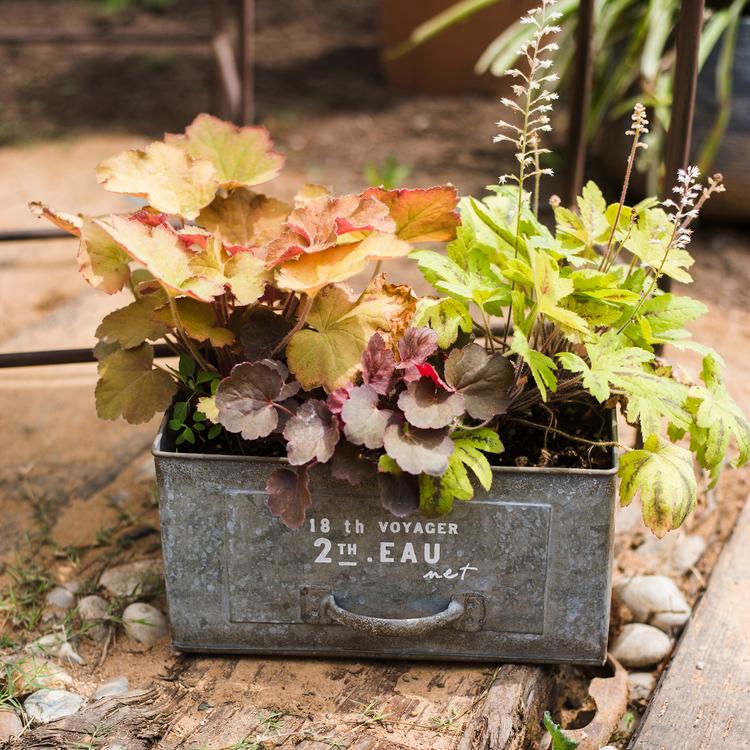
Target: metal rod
[
  {"x": 63, "y": 357},
  {"x": 580, "y": 100},
  {"x": 25, "y": 235},
  {"x": 677, "y": 150},
  {"x": 83, "y": 36},
  {"x": 247, "y": 61}
]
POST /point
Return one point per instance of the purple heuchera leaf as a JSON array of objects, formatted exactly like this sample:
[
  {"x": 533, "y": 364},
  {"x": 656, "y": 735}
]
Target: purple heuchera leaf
[
  {"x": 426, "y": 404},
  {"x": 378, "y": 364},
  {"x": 247, "y": 399},
  {"x": 364, "y": 423},
  {"x": 312, "y": 433},
  {"x": 399, "y": 493},
  {"x": 289, "y": 495},
  {"x": 336, "y": 400},
  {"x": 418, "y": 451},
  {"x": 349, "y": 466},
  {"x": 416, "y": 345},
  {"x": 483, "y": 379}
]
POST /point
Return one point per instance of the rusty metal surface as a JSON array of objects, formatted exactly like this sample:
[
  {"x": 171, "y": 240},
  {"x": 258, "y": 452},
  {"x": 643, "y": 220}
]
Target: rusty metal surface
[{"x": 528, "y": 562}]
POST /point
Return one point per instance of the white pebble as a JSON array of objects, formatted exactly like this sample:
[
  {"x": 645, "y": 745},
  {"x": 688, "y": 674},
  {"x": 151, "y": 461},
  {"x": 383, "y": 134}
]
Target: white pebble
[
  {"x": 640, "y": 645},
  {"x": 144, "y": 623},
  {"x": 60, "y": 597},
  {"x": 45, "y": 705},
  {"x": 673, "y": 555},
  {"x": 654, "y": 600},
  {"x": 116, "y": 686},
  {"x": 133, "y": 578},
  {"x": 94, "y": 613},
  {"x": 641, "y": 685}
]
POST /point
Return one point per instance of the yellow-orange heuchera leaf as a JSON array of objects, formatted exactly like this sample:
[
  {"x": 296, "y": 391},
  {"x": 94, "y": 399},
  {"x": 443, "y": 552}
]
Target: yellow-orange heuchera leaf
[
  {"x": 101, "y": 260},
  {"x": 243, "y": 271},
  {"x": 167, "y": 177},
  {"x": 402, "y": 303},
  {"x": 161, "y": 250},
  {"x": 308, "y": 192},
  {"x": 317, "y": 225},
  {"x": 329, "y": 351},
  {"x": 421, "y": 215},
  {"x": 245, "y": 218},
  {"x": 241, "y": 156},
  {"x": 310, "y": 273}
]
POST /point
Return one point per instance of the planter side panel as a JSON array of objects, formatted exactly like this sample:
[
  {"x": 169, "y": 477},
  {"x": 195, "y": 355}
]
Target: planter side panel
[{"x": 532, "y": 557}]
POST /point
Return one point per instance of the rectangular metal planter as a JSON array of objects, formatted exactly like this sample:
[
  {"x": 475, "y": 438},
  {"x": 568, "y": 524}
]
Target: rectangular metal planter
[{"x": 520, "y": 573}]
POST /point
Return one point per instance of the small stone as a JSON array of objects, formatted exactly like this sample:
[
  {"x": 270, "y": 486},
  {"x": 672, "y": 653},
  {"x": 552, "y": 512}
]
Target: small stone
[
  {"x": 45, "y": 705},
  {"x": 133, "y": 578},
  {"x": 73, "y": 586},
  {"x": 94, "y": 612},
  {"x": 609, "y": 747},
  {"x": 640, "y": 645},
  {"x": 10, "y": 725},
  {"x": 60, "y": 597},
  {"x": 144, "y": 623},
  {"x": 655, "y": 600},
  {"x": 55, "y": 645},
  {"x": 641, "y": 685},
  {"x": 116, "y": 686},
  {"x": 673, "y": 555}
]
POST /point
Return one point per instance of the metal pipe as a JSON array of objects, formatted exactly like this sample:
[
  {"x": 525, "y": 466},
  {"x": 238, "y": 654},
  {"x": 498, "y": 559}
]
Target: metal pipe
[
  {"x": 63, "y": 357},
  {"x": 25, "y": 235}
]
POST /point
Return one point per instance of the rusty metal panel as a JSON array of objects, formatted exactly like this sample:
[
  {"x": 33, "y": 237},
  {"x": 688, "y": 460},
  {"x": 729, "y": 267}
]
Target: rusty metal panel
[{"x": 520, "y": 573}]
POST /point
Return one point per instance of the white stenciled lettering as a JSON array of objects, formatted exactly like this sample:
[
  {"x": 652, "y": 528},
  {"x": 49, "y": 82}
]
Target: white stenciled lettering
[
  {"x": 449, "y": 573},
  {"x": 408, "y": 554},
  {"x": 385, "y": 552},
  {"x": 383, "y": 525},
  {"x": 429, "y": 528},
  {"x": 432, "y": 553},
  {"x": 453, "y": 528},
  {"x": 325, "y": 545},
  {"x": 418, "y": 528}
]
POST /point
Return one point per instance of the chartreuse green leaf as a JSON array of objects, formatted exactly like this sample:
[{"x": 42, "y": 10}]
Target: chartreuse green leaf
[
  {"x": 614, "y": 368},
  {"x": 445, "y": 316},
  {"x": 649, "y": 241},
  {"x": 541, "y": 366},
  {"x": 131, "y": 387},
  {"x": 718, "y": 419},
  {"x": 661, "y": 320},
  {"x": 583, "y": 231},
  {"x": 468, "y": 456},
  {"x": 662, "y": 475},
  {"x": 550, "y": 288},
  {"x": 560, "y": 741}
]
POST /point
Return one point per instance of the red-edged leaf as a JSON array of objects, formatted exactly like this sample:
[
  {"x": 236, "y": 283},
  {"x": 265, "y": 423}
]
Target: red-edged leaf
[
  {"x": 336, "y": 400},
  {"x": 316, "y": 225},
  {"x": 414, "y": 348},
  {"x": 422, "y": 215},
  {"x": 378, "y": 364},
  {"x": 289, "y": 495},
  {"x": 312, "y": 433}
]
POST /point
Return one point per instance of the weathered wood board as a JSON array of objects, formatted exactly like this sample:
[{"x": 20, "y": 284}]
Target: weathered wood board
[{"x": 703, "y": 699}]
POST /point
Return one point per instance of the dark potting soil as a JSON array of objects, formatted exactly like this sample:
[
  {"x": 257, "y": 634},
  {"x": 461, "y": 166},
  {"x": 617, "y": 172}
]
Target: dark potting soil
[{"x": 527, "y": 440}]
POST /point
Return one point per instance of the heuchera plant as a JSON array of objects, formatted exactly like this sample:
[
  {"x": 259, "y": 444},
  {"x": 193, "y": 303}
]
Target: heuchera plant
[{"x": 274, "y": 349}]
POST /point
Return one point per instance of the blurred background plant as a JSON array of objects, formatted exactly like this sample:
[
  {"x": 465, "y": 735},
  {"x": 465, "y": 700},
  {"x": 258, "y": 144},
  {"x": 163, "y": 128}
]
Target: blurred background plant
[{"x": 633, "y": 50}]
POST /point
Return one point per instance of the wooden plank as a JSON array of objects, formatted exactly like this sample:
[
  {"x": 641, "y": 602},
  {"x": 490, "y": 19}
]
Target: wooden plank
[{"x": 703, "y": 699}]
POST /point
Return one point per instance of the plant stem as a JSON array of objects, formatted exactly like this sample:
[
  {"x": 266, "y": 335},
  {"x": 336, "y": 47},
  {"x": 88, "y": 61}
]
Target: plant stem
[
  {"x": 185, "y": 338},
  {"x": 546, "y": 428},
  {"x": 487, "y": 329},
  {"x": 303, "y": 310}
]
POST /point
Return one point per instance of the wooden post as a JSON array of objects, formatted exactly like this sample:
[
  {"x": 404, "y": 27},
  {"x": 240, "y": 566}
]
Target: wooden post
[
  {"x": 227, "y": 81},
  {"x": 247, "y": 62},
  {"x": 580, "y": 100},
  {"x": 677, "y": 149}
]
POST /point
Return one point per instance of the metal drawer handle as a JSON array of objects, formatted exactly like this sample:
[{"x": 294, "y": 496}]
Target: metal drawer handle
[{"x": 383, "y": 626}]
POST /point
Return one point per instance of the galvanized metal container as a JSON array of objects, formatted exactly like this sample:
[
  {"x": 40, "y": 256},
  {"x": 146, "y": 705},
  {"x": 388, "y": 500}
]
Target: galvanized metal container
[{"x": 520, "y": 573}]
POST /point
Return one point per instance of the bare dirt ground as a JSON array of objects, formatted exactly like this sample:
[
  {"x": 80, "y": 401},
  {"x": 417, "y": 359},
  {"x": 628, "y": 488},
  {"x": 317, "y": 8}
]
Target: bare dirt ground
[{"x": 76, "y": 494}]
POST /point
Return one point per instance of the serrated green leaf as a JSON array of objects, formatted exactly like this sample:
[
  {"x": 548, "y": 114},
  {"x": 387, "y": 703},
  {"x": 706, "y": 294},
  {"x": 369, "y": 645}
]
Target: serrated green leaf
[
  {"x": 662, "y": 474},
  {"x": 718, "y": 419},
  {"x": 541, "y": 366},
  {"x": 444, "y": 316},
  {"x": 550, "y": 288},
  {"x": 560, "y": 741}
]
